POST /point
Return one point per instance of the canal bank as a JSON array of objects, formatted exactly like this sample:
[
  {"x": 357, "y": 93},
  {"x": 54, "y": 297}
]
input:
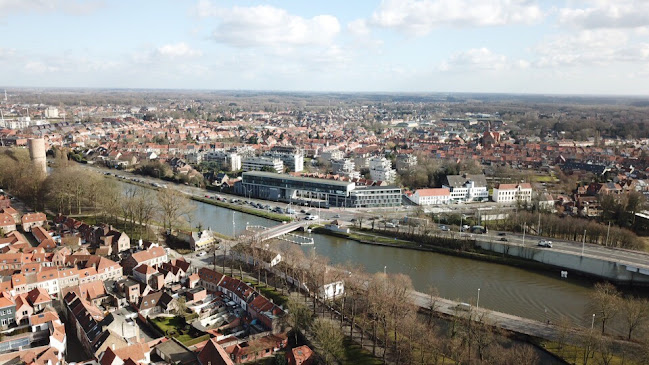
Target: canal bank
[
  {"x": 465, "y": 249},
  {"x": 514, "y": 290},
  {"x": 532, "y": 258}
]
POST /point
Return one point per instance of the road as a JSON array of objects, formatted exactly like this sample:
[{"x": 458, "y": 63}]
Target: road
[
  {"x": 447, "y": 307},
  {"x": 346, "y": 215}
]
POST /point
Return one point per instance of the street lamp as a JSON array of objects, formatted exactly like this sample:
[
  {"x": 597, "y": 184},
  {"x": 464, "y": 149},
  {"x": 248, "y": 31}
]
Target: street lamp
[
  {"x": 592, "y": 324},
  {"x": 524, "y": 229},
  {"x": 477, "y": 304},
  {"x": 384, "y": 270}
]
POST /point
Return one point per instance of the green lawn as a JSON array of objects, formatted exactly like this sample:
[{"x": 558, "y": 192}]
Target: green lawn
[
  {"x": 182, "y": 334},
  {"x": 575, "y": 354},
  {"x": 377, "y": 238},
  {"x": 544, "y": 178},
  {"x": 355, "y": 355},
  {"x": 273, "y": 294}
]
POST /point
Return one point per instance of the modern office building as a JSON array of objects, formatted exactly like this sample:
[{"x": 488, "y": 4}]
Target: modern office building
[
  {"x": 262, "y": 164},
  {"x": 375, "y": 197},
  {"x": 315, "y": 192}
]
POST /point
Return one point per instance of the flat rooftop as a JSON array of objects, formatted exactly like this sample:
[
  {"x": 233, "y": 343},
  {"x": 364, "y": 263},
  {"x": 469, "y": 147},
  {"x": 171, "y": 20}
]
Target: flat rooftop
[{"x": 313, "y": 180}]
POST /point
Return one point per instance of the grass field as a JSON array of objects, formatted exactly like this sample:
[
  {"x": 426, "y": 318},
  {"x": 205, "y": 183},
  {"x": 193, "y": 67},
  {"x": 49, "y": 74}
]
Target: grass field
[
  {"x": 544, "y": 178},
  {"x": 355, "y": 355},
  {"x": 181, "y": 333},
  {"x": 575, "y": 355}
]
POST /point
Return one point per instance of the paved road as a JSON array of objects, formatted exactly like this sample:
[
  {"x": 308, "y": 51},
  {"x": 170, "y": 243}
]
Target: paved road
[{"x": 634, "y": 258}]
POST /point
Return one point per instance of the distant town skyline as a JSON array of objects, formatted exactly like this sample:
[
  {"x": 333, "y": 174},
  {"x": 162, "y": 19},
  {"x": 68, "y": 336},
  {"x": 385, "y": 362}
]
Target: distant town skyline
[{"x": 496, "y": 46}]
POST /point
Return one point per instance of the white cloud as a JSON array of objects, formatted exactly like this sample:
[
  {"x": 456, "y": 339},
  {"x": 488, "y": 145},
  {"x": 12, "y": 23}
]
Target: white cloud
[
  {"x": 178, "y": 50},
  {"x": 591, "y": 47},
  {"x": 475, "y": 59},
  {"x": 6, "y": 53},
  {"x": 358, "y": 28},
  {"x": 607, "y": 14},
  {"x": 420, "y": 17},
  {"x": 269, "y": 26},
  {"x": 40, "y": 67}
]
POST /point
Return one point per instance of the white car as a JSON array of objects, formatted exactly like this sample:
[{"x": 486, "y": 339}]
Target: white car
[
  {"x": 544, "y": 243},
  {"x": 202, "y": 253}
]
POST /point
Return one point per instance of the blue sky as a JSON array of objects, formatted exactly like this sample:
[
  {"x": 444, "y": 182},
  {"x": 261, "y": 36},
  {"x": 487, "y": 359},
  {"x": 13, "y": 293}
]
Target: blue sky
[{"x": 514, "y": 46}]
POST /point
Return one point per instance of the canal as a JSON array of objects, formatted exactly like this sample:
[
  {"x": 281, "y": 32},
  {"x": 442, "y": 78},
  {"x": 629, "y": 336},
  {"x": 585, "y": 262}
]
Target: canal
[
  {"x": 525, "y": 293},
  {"x": 503, "y": 288}
]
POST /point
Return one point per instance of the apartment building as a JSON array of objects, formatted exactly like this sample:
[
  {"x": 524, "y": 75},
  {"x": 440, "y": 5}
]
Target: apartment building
[
  {"x": 381, "y": 169},
  {"x": 263, "y": 164},
  {"x": 292, "y": 157},
  {"x": 345, "y": 167}
]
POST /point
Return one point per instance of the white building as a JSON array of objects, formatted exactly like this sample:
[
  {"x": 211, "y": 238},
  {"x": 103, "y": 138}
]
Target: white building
[
  {"x": 381, "y": 170},
  {"x": 436, "y": 196},
  {"x": 51, "y": 112},
  {"x": 263, "y": 164},
  {"x": 332, "y": 290},
  {"x": 231, "y": 160},
  {"x": 467, "y": 188},
  {"x": 345, "y": 167},
  {"x": 332, "y": 155},
  {"x": 511, "y": 193},
  {"x": 292, "y": 157}
]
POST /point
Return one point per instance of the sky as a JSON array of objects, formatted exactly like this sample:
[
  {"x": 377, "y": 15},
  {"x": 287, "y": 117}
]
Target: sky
[{"x": 493, "y": 46}]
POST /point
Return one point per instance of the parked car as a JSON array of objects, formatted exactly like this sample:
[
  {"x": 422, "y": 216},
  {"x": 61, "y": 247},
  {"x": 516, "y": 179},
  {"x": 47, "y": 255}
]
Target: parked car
[
  {"x": 544, "y": 243},
  {"x": 444, "y": 228}
]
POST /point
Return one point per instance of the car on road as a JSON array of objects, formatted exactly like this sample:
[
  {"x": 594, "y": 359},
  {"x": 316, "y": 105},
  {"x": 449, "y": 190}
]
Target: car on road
[
  {"x": 390, "y": 225},
  {"x": 303, "y": 211},
  {"x": 337, "y": 216},
  {"x": 502, "y": 233},
  {"x": 545, "y": 243},
  {"x": 444, "y": 228},
  {"x": 202, "y": 253},
  {"x": 504, "y": 239}
]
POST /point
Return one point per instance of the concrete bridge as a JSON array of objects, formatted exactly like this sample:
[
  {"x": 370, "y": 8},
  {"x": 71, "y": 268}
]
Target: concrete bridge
[{"x": 281, "y": 231}]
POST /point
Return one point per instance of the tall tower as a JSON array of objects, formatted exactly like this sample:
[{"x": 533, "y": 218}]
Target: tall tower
[{"x": 37, "y": 154}]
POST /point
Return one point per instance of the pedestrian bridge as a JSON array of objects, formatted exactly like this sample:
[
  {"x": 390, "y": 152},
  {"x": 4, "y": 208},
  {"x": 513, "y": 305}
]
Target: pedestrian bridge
[{"x": 282, "y": 231}]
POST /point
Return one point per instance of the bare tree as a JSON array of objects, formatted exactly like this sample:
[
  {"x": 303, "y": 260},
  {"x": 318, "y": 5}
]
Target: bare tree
[
  {"x": 605, "y": 302},
  {"x": 298, "y": 316},
  {"x": 173, "y": 204},
  {"x": 144, "y": 209},
  {"x": 330, "y": 337},
  {"x": 635, "y": 313}
]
